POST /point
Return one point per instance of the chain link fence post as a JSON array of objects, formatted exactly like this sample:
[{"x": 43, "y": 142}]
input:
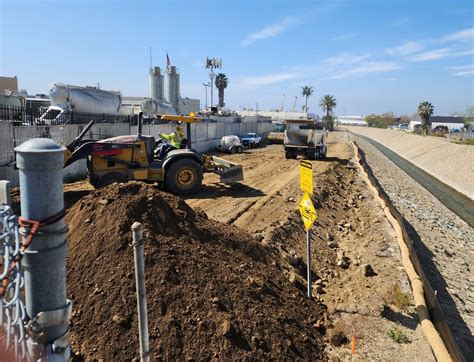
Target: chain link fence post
[{"x": 40, "y": 162}]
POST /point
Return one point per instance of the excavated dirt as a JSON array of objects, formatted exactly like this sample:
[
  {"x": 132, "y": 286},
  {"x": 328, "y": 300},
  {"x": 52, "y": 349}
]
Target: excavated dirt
[{"x": 213, "y": 291}]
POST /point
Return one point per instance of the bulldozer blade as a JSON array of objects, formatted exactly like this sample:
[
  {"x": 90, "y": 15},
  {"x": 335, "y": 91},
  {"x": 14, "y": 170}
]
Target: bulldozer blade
[
  {"x": 232, "y": 175},
  {"x": 229, "y": 172}
]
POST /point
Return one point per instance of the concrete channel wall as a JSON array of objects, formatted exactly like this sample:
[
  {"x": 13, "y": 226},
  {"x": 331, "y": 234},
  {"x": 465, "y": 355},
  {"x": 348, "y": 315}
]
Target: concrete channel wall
[
  {"x": 205, "y": 136},
  {"x": 451, "y": 163}
]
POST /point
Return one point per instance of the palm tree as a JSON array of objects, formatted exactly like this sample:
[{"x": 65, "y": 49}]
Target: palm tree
[
  {"x": 306, "y": 92},
  {"x": 425, "y": 110},
  {"x": 221, "y": 84},
  {"x": 327, "y": 104}
]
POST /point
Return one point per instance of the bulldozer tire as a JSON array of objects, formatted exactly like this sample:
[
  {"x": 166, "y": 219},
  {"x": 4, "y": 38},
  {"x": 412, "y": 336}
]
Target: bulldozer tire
[
  {"x": 183, "y": 176},
  {"x": 112, "y": 177}
]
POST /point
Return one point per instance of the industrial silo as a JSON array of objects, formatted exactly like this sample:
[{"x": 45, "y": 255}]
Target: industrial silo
[
  {"x": 155, "y": 84},
  {"x": 172, "y": 86}
]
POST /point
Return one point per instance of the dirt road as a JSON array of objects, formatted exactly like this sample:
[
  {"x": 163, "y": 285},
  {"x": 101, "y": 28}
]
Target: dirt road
[{"x": 270, "y": 190}]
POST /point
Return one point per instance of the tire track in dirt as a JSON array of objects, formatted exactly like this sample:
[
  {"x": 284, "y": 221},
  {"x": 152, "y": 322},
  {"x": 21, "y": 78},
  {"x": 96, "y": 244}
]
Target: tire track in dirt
[{"x": 270, "y": 190}]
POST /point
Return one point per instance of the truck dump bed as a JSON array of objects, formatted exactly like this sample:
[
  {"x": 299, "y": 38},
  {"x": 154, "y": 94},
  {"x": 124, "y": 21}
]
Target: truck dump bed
[{"x": 304, "y": 134}]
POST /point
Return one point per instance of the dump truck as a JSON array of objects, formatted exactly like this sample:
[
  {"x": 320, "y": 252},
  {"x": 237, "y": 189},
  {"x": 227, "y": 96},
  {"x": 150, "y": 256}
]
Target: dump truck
[
  {"x": 305, "y": 137},
  {"x": 133, "y": 157}
]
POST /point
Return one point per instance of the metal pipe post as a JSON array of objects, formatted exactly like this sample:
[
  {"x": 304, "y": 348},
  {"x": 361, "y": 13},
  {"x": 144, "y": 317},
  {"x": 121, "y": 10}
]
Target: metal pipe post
[
  {"x": 137, "y": 234},
  {"x": 41, "y": 162},
  {"x": 308, "y": 260}
]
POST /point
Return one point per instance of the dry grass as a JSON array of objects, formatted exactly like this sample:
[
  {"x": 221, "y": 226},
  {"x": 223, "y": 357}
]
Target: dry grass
[
  {"x": 399, "y": 298},
  {"x": 467, "y": 141}
]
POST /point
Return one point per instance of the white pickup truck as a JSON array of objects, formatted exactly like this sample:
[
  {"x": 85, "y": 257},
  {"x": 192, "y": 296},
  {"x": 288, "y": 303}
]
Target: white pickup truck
[{"x": 250, "y": 140}]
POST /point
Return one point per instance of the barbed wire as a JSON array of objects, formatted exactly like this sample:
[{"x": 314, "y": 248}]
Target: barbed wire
[{"x": 12, "y": 308}]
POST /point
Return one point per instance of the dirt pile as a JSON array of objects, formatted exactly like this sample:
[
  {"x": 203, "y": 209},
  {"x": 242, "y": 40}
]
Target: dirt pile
[{"x": 213, "y": 291}]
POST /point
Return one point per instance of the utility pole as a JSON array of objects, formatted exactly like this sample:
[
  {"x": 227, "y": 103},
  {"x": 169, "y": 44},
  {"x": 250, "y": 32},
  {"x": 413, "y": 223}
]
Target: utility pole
[
  {"x": 282, "y": 102},
  {"x": 206, "y": 86},
  {"x": 213, "y": 63}
]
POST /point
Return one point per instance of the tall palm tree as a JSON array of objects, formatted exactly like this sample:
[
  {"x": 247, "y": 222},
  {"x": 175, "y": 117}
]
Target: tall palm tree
[
  {"x": 425, "y": 110},
  {"x": 306, "y": 91},
  {"x": 327, "y": 104},
  {"x": 221, "y": 84}
]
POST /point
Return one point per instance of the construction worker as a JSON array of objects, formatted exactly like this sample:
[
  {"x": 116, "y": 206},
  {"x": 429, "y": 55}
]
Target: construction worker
[{"x": 175, "y": 140}]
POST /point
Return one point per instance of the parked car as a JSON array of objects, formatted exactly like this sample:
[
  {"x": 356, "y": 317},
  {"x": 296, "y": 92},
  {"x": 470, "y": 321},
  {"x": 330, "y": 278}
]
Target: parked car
[{"x": 250, "y": 140}]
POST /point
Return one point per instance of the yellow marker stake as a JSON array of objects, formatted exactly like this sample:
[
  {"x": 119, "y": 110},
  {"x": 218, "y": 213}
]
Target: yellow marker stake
[
  {"x": 309, "y": 216},
  {"x": 306, "y": 176}
]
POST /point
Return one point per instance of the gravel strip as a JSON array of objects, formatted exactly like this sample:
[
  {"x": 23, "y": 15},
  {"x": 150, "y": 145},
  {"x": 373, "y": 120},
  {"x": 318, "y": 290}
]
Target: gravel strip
[{"x": 444, "y": 244}]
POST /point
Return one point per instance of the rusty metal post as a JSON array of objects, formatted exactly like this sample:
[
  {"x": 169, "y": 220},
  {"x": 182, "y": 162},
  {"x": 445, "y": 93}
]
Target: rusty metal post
[{"x": 137, "y": 233}]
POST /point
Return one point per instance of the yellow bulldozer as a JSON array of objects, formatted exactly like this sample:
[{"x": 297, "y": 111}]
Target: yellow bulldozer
[{"x": 134, "y": 157}]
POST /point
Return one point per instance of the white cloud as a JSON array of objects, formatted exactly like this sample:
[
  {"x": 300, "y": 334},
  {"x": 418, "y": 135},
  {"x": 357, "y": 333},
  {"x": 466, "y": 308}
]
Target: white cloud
[
  {"x": 346, "y": 58},
  {"x": 466, "y": 34},
  {"x": 271, "y": 30},
  {"x": 463, "y": 70},
  {"x": 405, "y": 48},
  {"x": 366, "y": 68},
  {"x": 431, "y": 55},
  {"x": 439, "y": 54},
  {"x": 267, "y": 79}
]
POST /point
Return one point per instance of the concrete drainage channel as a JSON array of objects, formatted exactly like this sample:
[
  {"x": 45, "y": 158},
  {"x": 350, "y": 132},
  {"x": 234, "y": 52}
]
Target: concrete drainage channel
[
  {"x": 458, "y": 203},
  {"x": 429, "y": 311}
]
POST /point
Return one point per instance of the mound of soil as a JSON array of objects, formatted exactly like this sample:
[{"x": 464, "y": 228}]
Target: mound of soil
[{"x": 213, "y": 291}]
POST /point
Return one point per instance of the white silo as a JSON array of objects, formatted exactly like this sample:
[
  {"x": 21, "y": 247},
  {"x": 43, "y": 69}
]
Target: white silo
[
  {"x": 172, "y": 86},
  {"x": 155, "y": 84}
]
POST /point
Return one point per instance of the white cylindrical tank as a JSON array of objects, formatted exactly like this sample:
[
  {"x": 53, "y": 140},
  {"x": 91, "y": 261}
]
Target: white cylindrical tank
[
  {"x": 172, "y": 86},
  {"x": 151, "y": 107},
  {"x": 84, "y": 99},
  {"x": 229, "y": 141},
  {"x": 155, "y": 84},
  {"x": 12, "y": 99}
]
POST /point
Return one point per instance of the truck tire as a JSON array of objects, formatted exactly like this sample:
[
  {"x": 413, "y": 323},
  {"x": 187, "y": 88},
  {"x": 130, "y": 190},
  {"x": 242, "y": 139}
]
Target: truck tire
[
  {"x": 324, "y": 152},
  {"x": 183, "y": 176},
  {"x": 290, "y": 155},
  {"x": 111, "y": 177},
  {"x": 240, "y": 149},
  {"x": 233, "y": 150}
]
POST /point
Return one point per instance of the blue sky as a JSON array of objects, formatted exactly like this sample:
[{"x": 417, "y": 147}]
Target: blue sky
[{"x": 373, "y": 56}]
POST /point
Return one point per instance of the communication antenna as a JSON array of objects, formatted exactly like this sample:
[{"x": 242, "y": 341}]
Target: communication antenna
[{"x": 212, "y": 63}]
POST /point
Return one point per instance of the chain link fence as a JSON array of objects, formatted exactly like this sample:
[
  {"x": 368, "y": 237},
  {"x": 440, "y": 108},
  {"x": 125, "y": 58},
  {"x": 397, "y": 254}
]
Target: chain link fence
[{"x": 13, "y": 313}]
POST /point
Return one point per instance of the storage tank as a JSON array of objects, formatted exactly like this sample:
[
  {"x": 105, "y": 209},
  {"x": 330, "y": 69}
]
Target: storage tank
[
  {"x": 172, "y": 86},
  {"x": 13, "y": 99},
  {"x": 156, "y": 84},
  {"x": 151, "y": 107},
  {"x": 85, "y": 99}
]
